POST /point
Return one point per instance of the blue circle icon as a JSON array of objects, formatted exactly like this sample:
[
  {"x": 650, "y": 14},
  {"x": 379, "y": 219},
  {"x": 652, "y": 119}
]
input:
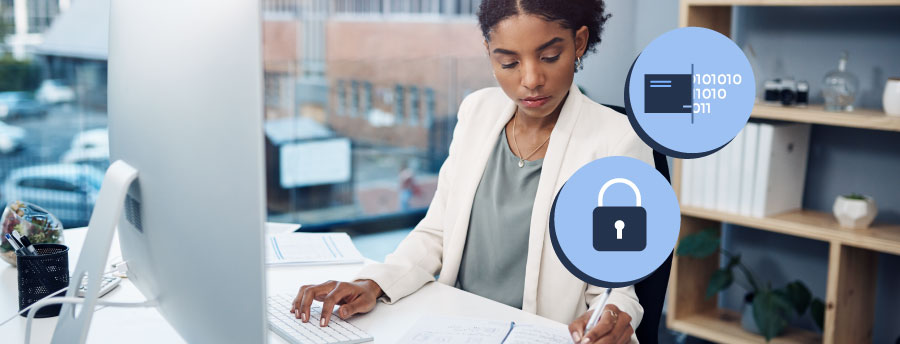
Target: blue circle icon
[
  {"x": 614, "y": 222},
  {"x": 690, "y": 92}
]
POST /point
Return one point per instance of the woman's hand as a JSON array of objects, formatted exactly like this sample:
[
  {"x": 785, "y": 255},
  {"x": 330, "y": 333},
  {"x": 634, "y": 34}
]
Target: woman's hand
[
  {"x": 353, "y": 297},
  {"x": 614, "y": 327}
]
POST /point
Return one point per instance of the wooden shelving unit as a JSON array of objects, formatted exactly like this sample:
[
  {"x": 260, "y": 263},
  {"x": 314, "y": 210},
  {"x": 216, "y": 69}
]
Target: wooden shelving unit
[
  {"x": 812, "y": 225},
  {"x": 815, "y": 114},
  {"x": 851, "y": 280},
  {"x": 715, "y": 323}
]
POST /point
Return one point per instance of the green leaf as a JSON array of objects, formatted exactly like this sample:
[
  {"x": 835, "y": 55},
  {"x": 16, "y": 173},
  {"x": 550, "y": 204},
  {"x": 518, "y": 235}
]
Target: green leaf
[
  {"x": 798, "y": 295},
  {"x": 817, "y": 311},
  {"x": 699, "y": 245},
  {"x": 770, "y": 311},
  {"x": 720, "y": 280},
  {"x": 734, "y": 261},
  {"x": 855, "y": 196}
]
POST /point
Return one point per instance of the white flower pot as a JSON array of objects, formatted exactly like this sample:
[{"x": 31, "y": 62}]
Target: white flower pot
[
  {"x": 891, "y": 97},
  {"x": 855, "y": 213}
]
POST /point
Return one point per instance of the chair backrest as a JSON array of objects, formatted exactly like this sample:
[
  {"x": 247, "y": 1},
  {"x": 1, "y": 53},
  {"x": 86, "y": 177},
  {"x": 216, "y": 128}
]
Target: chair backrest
[{"x": 651, "y": 291}]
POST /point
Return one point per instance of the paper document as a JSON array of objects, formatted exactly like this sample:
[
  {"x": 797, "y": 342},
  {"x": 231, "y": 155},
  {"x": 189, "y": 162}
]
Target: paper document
[
  {"x": 434, "y": 329},
  {"x": 311, "y": 249}
]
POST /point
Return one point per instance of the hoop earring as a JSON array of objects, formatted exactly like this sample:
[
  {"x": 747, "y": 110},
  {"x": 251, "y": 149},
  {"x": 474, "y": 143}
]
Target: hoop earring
[{"x": 579, "y": 65}]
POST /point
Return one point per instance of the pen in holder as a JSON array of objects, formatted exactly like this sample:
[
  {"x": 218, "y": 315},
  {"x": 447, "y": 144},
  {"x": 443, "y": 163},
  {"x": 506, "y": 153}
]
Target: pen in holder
[{"x": 41, "y": 275}]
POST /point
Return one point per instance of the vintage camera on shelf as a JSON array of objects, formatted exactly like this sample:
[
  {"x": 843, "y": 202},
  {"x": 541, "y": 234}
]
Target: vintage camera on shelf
[{"x": 787, "y": 92}]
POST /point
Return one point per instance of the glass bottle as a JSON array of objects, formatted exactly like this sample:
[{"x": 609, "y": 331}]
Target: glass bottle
[{"x": 839, "y": 88}]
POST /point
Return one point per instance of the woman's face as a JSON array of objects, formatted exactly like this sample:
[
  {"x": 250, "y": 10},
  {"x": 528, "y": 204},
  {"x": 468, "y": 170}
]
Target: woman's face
[{"x": 534, "y": 61}]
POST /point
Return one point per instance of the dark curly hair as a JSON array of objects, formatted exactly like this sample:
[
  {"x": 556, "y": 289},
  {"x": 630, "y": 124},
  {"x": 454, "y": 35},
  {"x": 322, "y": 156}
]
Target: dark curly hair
[{"x": 571, "y": 14}]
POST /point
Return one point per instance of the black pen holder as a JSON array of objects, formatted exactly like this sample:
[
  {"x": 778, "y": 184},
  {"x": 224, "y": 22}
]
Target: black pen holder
[{"x": 42, "y": 275}]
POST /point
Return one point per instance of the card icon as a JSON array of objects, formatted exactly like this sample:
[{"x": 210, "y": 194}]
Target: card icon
[{"x": 667, "y": 93}]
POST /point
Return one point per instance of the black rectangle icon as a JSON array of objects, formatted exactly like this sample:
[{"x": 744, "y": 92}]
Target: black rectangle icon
[{"x": 667, "y": 93}]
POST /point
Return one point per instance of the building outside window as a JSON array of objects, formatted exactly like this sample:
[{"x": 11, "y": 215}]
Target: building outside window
[
  {"x": 401, "y": 110},
  {"x": 40, "y": 14},
  {"x": 369, "y": 103}
]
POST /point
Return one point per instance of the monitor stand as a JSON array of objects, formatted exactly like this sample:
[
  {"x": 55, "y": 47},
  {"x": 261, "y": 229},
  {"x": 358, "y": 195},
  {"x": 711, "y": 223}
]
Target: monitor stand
[{"x": 72, "y": 326}]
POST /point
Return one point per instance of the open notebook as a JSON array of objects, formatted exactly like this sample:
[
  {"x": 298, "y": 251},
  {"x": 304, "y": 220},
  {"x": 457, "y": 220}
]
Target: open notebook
[{"x": 434, "y": 329}]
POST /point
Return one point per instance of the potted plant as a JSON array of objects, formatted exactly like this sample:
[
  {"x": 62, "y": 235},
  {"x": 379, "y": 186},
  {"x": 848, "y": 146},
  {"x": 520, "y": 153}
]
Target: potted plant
[
  {"x": 855, "y": 211},
  {"x": 770, "y": 308}
]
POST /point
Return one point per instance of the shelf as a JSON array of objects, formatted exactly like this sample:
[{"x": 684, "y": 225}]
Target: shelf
[
  {"x": 852, "y": 261},
  {"x": 724, "y": 326},
  {"x": 792, "y": 2},
  {"x": 816, "y": 114},
  {"x": 813, "y": 225}
]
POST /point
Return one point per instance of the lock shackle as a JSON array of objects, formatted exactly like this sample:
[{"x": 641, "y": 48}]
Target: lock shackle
[{"x": 637, "y": 193}]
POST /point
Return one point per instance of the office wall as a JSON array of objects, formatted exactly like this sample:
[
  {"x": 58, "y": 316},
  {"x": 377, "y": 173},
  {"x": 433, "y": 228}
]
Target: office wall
[
  {"x": 634, "y": 23},
  {"x": 803, "y": 43}
]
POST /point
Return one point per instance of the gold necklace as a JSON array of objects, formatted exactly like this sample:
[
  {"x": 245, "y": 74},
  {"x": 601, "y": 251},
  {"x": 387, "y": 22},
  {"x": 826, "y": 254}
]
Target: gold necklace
[{"x": 518, "y": 150}]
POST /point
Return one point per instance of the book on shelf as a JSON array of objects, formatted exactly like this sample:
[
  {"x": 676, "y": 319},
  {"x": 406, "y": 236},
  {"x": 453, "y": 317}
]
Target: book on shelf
[
  {"x": 748, "y": 176},
  {"x": 761, "y": 172},
  {"x": 780, "y": 168},
  {"x": 728, "y": 175}
]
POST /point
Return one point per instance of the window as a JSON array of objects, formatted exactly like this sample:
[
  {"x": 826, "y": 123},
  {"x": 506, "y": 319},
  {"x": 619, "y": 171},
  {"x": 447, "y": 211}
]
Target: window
[
  {"x": 358, "y": 6},
  {"x": 7, "y": 16},
  {"x": 367, "y": 97},
  {"x": 413, "y": 106},
  {"x": 404, "y": 7},
  {"x": 341, "y": 98},
  {"x": 354, "y": 98},
  {"x": 399, "y": 104},
  {"x": 60, "y": 164},
  {"x": 382, "y": 112},
  {"x": 394, "y": 114},
  {"x": 40, "y": 14},
  {"x": 273, "y": 89},
  {"x": 429, "y": 107},
  {"x": 467, "y": 7}
]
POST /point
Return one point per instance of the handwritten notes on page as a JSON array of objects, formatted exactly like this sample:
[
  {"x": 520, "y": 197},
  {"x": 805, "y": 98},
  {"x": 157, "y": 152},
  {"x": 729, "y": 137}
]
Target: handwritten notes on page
[
  {"x": 535, "y": 334},
  {"x": 435, "y": 329}
]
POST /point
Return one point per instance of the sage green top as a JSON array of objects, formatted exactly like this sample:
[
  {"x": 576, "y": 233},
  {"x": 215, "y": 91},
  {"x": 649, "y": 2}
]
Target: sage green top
[{"x": 493, "y": 260}]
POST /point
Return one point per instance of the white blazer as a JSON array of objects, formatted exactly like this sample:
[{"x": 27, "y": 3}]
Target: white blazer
[{"x": 585, "y": 131}]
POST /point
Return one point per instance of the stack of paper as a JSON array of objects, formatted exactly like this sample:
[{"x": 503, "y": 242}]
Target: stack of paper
[
  {"x": 311, "y": 249},
  {"x": 482, "y": 331}
]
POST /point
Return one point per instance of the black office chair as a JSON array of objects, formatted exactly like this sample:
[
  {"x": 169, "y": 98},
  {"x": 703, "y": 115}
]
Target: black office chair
[{"x": 651, "y": 292}]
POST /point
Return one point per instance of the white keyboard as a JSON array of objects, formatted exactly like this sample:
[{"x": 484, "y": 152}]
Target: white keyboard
[
  {"x": 107, "y": 284},
  {"x": 286, "y": 325}
]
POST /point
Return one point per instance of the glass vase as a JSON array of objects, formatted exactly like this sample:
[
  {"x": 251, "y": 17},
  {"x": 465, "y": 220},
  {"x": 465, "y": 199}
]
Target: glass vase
[{"x": 40, "y": 226}]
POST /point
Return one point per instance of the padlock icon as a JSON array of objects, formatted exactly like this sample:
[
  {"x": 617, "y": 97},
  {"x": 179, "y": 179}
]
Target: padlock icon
[{"x": 620, "y": 228}]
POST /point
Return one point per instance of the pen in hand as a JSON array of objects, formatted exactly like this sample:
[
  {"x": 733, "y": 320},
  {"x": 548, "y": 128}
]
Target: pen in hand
[{"x": 595, "y": 316}]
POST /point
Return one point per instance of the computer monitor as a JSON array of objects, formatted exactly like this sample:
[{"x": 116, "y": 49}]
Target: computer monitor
[{"x": 185, "y": 102}]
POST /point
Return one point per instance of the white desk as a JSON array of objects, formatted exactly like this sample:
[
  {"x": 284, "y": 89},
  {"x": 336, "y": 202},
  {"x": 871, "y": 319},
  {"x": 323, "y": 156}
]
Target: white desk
[{"x": 387, "y": 323}]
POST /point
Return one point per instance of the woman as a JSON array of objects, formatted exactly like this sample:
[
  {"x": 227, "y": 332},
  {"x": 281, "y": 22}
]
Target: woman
[{"x": 486, "y": 230}]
